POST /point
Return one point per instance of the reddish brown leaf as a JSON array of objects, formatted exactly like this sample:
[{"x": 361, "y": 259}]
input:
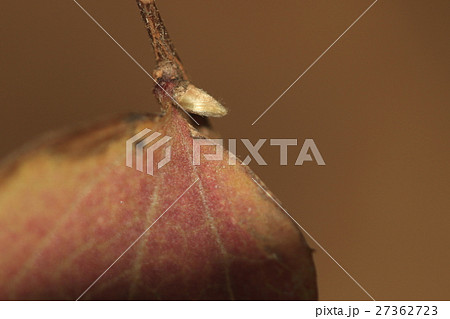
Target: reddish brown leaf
[
  {"x": 70, "y": 207},
  {"x": 75, "y": 220}
]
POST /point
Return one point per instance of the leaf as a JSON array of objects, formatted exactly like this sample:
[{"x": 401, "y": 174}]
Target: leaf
[
  {"x": 69, "y": 207},
  {"x": 75, "y": 221}
]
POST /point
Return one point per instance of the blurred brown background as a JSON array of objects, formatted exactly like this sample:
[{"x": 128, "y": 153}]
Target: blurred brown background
[{"x": 376, "y": 105}]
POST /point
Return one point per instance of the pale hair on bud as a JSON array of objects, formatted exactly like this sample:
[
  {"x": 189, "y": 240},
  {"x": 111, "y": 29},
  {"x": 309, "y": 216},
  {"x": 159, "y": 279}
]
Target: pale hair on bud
[{"x": 197, "y": 101}]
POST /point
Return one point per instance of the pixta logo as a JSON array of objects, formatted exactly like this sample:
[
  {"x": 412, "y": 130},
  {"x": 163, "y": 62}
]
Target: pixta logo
[
  {"x": 147, "y": 143},
  {"x": 142, "y": 143},
  {"x": 308, "y": 148}
]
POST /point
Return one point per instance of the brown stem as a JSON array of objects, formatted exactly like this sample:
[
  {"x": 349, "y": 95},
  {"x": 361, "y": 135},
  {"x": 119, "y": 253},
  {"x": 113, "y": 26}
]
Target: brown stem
[
  {"x": 172, "y": 84},
  {"x": 168, "y": 62}
]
